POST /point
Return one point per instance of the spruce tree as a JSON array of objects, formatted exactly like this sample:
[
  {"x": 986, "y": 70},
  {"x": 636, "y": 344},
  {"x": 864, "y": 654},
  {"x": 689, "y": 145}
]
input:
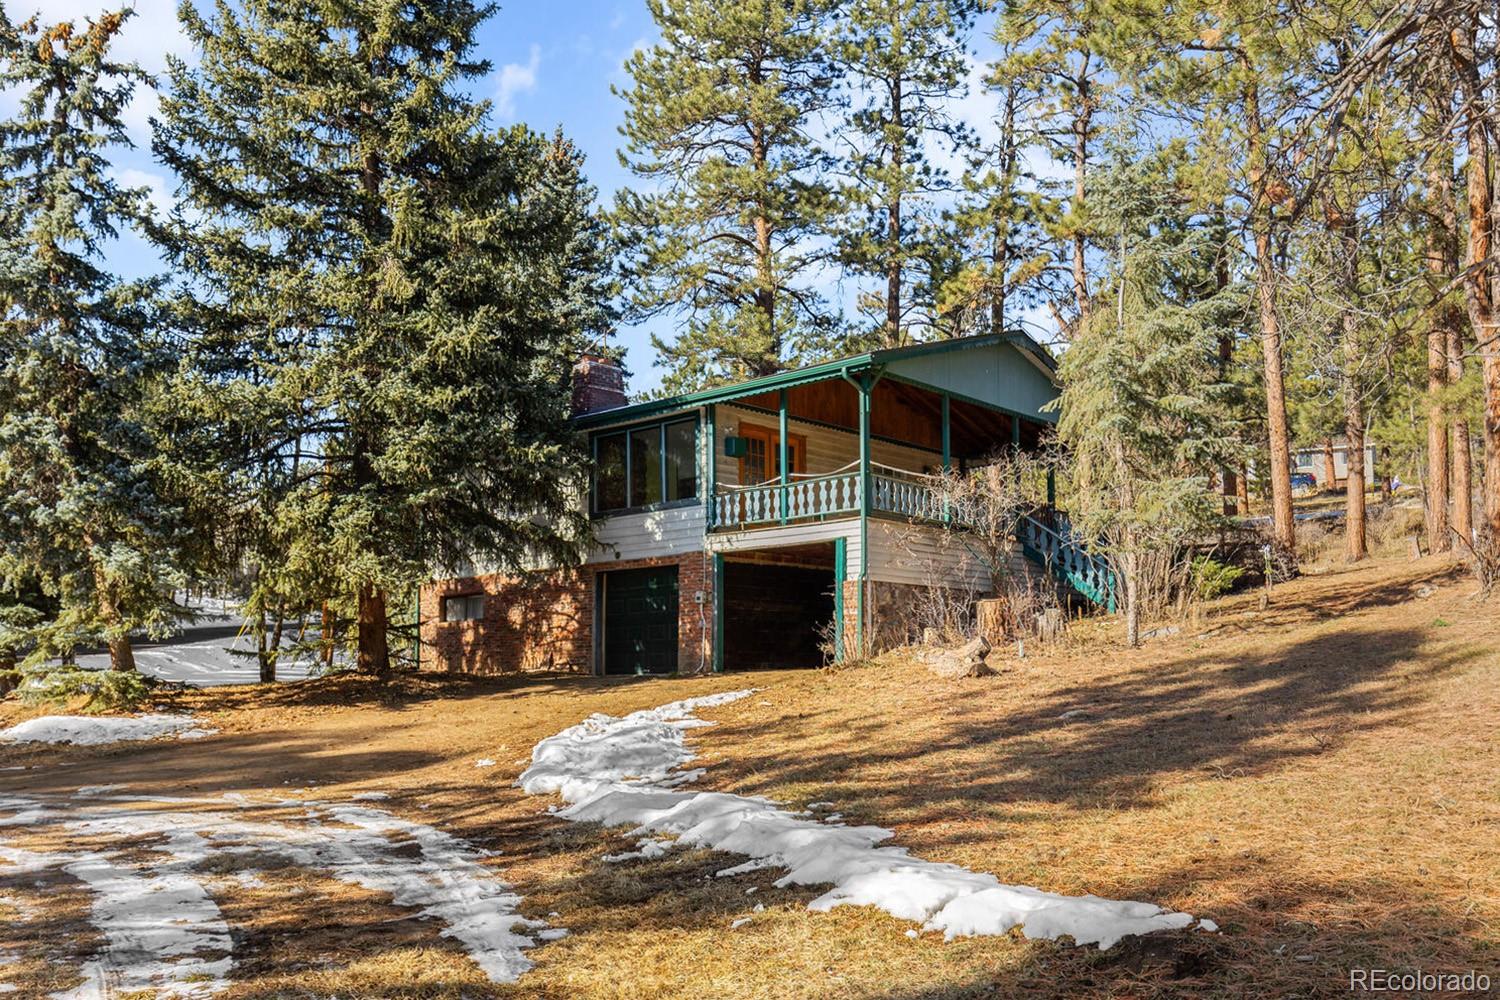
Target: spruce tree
[
  {"x": 392, "y": 296},
  {"x": 905, "y": 62},
  {"x": 1144, "y": 402},
  {"x": 88, "y": 530},
  {"x": 722, "y": 232}
]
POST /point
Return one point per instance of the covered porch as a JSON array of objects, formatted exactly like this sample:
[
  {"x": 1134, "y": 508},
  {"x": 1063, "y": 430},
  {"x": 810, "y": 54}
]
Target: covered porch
[{"x": 850, "y": 444}]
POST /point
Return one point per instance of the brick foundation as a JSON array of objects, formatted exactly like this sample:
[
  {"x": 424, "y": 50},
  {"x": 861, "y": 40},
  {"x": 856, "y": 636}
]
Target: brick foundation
[{"x": 545, "y": 621}]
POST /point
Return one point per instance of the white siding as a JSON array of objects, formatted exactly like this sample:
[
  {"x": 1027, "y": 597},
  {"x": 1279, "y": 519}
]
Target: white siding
[
  {"x": 669, "y": 532},
  {"x": 904, "y": 553}
]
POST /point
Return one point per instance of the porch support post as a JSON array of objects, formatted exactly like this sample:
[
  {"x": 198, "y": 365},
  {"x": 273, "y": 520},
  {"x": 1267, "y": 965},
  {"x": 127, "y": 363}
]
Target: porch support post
[
  {"x": 1015, "y": 431},
  {"x": 840, "y": 574},
  {"x": 718, "y": 640},
  {"x": 786, "y": 472},
  {"x": 1051, "y": 488},
  {"x": 711, "y": 426},
  {"x": 947, "y": 434},
  {"x": 865, "y": 387}
]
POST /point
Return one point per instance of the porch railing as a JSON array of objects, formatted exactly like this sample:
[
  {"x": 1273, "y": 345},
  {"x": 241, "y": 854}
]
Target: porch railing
[
  {"x": 1059, "y": 552},
  {"x": 802, "y": 499}
]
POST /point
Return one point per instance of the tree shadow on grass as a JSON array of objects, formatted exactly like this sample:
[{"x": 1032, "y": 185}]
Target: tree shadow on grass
[{"x": 1112, "y": 740}]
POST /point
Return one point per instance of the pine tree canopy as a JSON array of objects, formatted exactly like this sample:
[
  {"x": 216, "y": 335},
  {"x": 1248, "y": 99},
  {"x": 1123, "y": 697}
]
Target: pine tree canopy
[
  {"x": 722, "y": 232},
  {"x": 393, "y": 291},
  {"x": 85, "y": 522}
]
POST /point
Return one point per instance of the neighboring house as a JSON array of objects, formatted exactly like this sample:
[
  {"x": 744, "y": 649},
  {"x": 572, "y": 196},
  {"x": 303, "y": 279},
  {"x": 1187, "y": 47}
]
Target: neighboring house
[
  {"x": 751, "y": 525},
  {"x": 1328, "y": 463}
]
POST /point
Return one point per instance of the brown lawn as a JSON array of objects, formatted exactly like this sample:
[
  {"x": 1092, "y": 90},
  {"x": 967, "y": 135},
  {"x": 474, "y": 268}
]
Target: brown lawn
[{"x": 1322, "y": 779}]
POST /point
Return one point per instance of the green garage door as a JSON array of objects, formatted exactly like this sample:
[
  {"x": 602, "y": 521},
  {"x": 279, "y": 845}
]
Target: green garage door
[{"x": 640, "y": 621}]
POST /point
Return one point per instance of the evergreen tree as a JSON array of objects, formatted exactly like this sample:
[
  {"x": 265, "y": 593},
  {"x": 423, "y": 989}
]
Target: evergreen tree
[
  {"x": 1060, "y": 49},
  {"x": 392, "y": 296},
  {"x": 999, "y": 254},
  {"x": 87, "y": 523},
  {"x": 1144, "y": 401},
  {"x": 905, "y": 62},
  {"x": 723, "y": 233}
]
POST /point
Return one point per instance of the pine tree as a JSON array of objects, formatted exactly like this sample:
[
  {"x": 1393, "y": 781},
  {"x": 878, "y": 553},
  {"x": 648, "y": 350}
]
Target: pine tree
[
  {"x": 1059, "y": 48},
  {"x": 722, "y": 232},
  {"x": 905, "y": 62},
  {"x": 998, "y": 248},
  {"x": 393, "y": 295},
  {"x": 88, "y": 524}
]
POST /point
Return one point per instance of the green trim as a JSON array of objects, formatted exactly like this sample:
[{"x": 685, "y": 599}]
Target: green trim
[
  {"x": 783, "y": 453},
  {"x": 840, "y": 368},
  {"x": 840, "y": 573},
  {"x": 712, "y": 478},
  {"x": 718, "y": 651},
  {"x": 947, "y": 434}
]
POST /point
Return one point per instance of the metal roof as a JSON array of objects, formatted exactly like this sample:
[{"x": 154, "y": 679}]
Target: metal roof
[{"x": 817, "y": 373}]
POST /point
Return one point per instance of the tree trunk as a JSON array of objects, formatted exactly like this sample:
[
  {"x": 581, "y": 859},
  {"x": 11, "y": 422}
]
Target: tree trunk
[
  {"x": 1441, "y": 265},
  {"x": 1242, "y": 490},
  {"x": 1479, "y": 283},
  {"x": 1330, "y": 467},
  {"x": 1132, "y": 599},
  {"x": 121, "y": 653},
  {"x": 893, "y": 223},
  {"x": 1081, "y": 125},
  {"x": 374, "y": 654},
  {"x": 327, "y": 635},
  {"x": 1283, "y": 527},
  {"x": 262, "y": 652},
  {"x": 1462, "y": 480}
]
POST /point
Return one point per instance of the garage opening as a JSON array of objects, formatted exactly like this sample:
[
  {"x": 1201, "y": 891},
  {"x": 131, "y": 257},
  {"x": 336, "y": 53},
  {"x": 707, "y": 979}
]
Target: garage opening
[
  {"x": 639, "y": 620},
  {"x": 778, "y": 607}
]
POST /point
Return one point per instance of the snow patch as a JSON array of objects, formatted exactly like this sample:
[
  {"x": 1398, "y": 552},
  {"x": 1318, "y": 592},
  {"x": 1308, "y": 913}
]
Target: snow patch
[
  {"x": 157, "y": 919},
  {"x": 647, "y": 849},
  {"x": 88, "y": 730},
  {"x": 484, "y": 762},
  {"x": 628, "y": 771},
  {"x": 368, "y": 796}
]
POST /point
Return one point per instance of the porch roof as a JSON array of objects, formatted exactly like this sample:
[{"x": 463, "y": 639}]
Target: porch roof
[{"x": 1040, "y": 362}]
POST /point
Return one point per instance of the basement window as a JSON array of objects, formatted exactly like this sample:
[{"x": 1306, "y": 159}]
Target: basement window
[{"x": 463, "y": 608}]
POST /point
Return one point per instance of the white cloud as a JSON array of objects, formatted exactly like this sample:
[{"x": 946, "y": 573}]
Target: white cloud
[
  {"x": 157, "y": 191},
  {"x": 516, "y": 79}
]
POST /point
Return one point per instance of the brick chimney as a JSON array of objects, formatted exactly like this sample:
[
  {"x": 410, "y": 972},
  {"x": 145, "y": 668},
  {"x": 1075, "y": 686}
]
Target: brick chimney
[{"x": 598, "y": 384}]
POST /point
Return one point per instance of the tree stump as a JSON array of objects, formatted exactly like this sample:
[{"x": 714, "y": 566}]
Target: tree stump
[{"x": 990, "y": 619}]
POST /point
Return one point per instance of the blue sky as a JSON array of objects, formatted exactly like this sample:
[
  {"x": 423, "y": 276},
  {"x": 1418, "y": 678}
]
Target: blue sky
[{"x": 553, "y": 64}]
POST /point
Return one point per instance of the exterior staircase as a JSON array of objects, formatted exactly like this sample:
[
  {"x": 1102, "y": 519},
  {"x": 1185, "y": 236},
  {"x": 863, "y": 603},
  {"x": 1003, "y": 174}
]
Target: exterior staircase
[{"x": 1056, "y": 549}]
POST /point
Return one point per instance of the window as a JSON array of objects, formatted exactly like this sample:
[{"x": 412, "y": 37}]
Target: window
[
  {"x": 609, "y": 479},
  {"x": 463, "y": 608},
  {"x": 681, "y": 451},
  {"x": 646, "y": 466},
  {"x": 762, "y": 460}
]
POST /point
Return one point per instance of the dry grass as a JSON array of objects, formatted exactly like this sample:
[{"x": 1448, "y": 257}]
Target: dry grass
[{"x": 1322, "y": 779}]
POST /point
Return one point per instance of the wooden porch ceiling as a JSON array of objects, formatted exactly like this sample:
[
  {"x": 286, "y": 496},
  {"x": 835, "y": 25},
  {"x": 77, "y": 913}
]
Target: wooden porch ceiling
[{"x": 905, "y": 413}]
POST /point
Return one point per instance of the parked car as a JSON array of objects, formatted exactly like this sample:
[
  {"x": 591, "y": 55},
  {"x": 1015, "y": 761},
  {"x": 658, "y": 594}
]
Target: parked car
[{"x": 1304, "y": 482}]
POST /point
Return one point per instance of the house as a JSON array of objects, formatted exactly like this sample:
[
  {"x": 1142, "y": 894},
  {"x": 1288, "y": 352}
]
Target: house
[
  {"x": 761, "y": 523},
  {"x": 1328, "y": 463}
]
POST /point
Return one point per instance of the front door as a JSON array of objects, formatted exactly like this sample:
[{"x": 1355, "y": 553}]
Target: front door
[{"x": 640, "y": 621}]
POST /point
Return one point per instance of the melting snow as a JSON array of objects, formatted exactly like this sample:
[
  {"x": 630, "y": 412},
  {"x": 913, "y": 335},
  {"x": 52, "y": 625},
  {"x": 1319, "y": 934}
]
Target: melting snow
[
  {"x": 88, "y": 730},
  {"x": 158, "y": 920},
  {"x": 628, "y": 771}
]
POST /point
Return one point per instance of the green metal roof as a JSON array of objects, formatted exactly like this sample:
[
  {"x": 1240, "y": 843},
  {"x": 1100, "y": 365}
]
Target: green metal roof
[{"x": 813, "y": 373}]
